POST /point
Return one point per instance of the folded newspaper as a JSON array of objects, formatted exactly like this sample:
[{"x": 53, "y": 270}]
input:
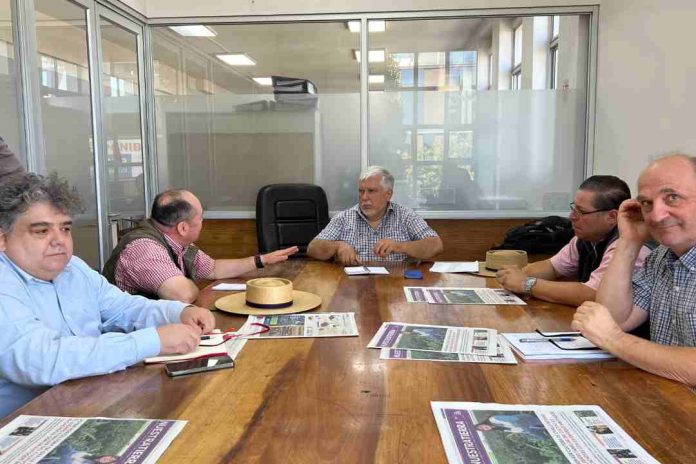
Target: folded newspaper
[
  {"x": 455, "y": 266},
  {"x": 303, "y": 325},
  {"x": 44, "y": 439},
  {"x": 504, "y": 355},
  {"x": 461, "y": 296},
  {"x": 445, "y": 339},
  {"x": 487, "y": 433}
]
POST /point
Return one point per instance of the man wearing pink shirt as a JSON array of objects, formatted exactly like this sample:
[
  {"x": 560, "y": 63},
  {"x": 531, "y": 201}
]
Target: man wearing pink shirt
[{"x": 572, "y": 276}]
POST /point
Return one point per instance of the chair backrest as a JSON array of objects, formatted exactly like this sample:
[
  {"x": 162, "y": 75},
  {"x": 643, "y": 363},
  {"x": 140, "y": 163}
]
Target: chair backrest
[{"x": 290, "y": 214}]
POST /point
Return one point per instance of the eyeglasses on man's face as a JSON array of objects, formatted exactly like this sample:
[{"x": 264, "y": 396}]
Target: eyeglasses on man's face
[{"x": 575, "y": 210}]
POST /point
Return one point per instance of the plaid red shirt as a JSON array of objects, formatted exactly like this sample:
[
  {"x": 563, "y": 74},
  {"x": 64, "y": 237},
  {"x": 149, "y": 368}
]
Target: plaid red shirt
[{"x": 144, "y": 265}]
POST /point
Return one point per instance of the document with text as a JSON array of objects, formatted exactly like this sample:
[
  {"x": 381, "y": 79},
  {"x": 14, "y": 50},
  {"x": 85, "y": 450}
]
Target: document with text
[
  {"x": 488, "y": 433},
  {"x": 504, "y": 355},
  {"x": 304, "y": 325},
  {"x": 461, "y": 296},
  {"x": 446, "y": 339},
  {"x": 45, "y": 439}
]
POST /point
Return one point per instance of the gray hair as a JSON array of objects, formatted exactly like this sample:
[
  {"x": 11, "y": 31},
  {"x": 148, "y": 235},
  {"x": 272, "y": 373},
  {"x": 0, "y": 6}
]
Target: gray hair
[
  {"x": 387, "y": 178},
  {"x": 20, "y": 192}
]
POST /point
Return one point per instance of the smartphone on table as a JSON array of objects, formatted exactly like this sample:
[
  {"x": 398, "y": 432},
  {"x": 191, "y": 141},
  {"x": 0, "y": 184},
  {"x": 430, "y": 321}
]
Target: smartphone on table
[{"x": 194, "y": 366}]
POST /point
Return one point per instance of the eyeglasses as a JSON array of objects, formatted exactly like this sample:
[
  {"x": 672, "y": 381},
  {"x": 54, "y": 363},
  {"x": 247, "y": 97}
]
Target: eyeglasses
[{"x": 574, "y": 209}]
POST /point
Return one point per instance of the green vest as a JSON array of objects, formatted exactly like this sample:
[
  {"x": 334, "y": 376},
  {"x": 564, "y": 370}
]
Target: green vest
[{"x": 146, "y": 229}]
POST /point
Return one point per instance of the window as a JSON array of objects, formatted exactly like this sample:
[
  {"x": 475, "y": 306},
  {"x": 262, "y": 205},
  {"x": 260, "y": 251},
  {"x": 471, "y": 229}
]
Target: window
[
  {"x": 223, "y": 130},
  {"x": 553, "y": 52},
  {"x": 517, "y": 59}
]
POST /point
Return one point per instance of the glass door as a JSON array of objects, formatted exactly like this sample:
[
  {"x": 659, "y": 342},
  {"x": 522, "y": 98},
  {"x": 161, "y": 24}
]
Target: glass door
[
  {"x": 64, "y": 109},
  {"x": 123, "y": 153}
]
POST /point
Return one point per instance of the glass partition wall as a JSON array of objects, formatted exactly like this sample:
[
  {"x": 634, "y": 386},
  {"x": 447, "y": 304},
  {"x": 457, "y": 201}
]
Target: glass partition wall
[
  {"x": 486, "y": 116},
  {"x": 475, "y": 117}
]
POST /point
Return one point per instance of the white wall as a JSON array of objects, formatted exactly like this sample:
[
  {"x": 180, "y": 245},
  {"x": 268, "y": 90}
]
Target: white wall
[
  {"x": 646, "y": 83},
  {"x": 137, "y": 5},
  {"x": 644, "y": 105}
]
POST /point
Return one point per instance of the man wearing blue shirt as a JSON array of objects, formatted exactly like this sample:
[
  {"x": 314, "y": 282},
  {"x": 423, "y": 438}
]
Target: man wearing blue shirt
[{"x": 60, "y": 319}]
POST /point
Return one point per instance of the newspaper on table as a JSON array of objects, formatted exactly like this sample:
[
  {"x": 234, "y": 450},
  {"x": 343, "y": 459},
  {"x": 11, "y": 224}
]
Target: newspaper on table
[
  {"x": 230, "y": 348},
  {"x": 45, "y": 439},
  {"x": 455, "y": 266},
  {"x": 440, "y": 338},
  {"x": 303, "y": 325},
  {"x": 461, "y": 296},
  {"x": 504, "y": 355},
  {"x": 487, "y": 433},
  {"x": 365, "y": 270},
  {"x": 531, "y": 345},
  {"x": 226, "y": 286}
]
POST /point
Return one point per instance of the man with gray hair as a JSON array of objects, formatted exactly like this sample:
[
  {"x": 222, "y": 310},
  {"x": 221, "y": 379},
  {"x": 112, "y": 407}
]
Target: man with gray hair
[
  {"x": 375, "y": 228},
  {"x": 60, "y": 319}
]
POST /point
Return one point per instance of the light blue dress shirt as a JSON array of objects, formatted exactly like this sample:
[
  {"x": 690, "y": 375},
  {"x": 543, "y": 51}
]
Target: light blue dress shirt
[{"x": 78, "y": 325}]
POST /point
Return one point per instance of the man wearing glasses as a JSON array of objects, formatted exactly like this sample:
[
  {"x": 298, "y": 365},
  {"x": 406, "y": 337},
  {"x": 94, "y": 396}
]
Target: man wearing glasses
[{"x": 585, "y": 258}]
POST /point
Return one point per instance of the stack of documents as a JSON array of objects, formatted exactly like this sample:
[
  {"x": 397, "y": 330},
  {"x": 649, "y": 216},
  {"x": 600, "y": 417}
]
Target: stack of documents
[
  {"x": 455, "y": 266},
  {"x": 534, "y": 345},
  {"x": 365, "y": 270}
]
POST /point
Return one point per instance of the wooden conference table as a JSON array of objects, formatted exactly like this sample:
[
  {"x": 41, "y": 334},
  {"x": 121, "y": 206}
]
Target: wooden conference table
[{"x": 334, "y": 400}]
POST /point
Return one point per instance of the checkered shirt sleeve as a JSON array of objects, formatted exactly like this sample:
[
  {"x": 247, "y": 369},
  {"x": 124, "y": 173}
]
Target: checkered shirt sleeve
[
  {"x": 416, "y": 226},
  {"x": 144, "y": 265},
  {"x": 334, "y": 228}
]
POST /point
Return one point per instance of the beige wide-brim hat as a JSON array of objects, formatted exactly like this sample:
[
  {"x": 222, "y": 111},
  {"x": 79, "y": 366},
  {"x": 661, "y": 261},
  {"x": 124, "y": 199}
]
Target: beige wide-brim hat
[
  {"x": 497, "y": 259},
  {"x": 268, "y": 296}
]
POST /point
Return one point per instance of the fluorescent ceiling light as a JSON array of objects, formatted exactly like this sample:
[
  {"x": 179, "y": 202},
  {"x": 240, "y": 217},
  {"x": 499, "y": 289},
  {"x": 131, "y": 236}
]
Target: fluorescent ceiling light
[
  {"x": 372, "y": 26},
  {"x": 263, "y": 80},
  {"x": 376, "y": 79},
  {"x": 236, "y": 59},
  {"x": 375, "y": 56},
  {"x": 194, "y": 30}
]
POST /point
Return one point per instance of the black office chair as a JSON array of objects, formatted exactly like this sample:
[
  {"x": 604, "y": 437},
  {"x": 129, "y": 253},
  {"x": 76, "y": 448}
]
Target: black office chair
[{"x": 290, "y": 214}]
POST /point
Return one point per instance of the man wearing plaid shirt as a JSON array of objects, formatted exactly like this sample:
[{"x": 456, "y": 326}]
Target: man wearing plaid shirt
[
  {"x": 160, "y": 260},
  {"x": 375, "y": 228},
  {"x": 665, "y": 289}
]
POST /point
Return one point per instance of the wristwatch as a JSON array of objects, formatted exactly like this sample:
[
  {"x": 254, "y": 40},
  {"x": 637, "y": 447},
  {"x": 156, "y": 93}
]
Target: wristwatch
[
  {"x": 528, "y": 284},
  {"x": 258, "y": 262}
]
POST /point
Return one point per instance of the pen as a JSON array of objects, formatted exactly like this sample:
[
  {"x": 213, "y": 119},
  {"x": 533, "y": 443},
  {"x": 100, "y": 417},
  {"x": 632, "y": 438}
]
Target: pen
[{"x": 555, "y": 339}]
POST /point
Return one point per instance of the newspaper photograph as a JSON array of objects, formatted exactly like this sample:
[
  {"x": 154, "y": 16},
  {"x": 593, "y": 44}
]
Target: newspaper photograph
[
  {"x": 440, "y": 338},
  {"x": 44, "y": 439},
  {"x": 504, "y": 355},
  {"x": 487, "y": 433},
  {"x": 304, "y": 325},
  {"x": 461, "y": 296}
]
